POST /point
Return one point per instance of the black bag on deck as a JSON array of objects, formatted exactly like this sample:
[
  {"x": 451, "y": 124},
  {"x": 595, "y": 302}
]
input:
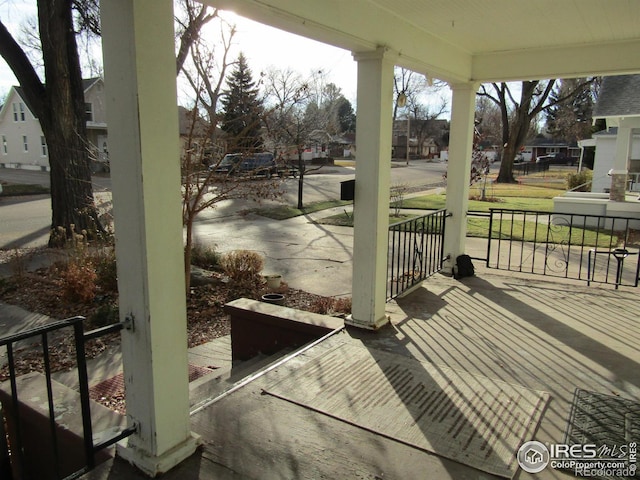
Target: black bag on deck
[{"x": 464, "y": 267}]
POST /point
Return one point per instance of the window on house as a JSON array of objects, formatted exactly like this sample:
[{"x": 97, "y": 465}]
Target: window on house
[
  {"x": 5, "y": 149},
  {"x": 25, "y": 143},
  {"x": 18, "y": 112},
  {"x": 43, "y": 146},
  {"x": 88, "y": 112}
]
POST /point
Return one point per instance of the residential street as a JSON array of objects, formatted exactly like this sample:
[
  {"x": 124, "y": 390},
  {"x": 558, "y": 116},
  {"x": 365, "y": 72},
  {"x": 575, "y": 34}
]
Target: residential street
[{"x": 25, "y": 221}]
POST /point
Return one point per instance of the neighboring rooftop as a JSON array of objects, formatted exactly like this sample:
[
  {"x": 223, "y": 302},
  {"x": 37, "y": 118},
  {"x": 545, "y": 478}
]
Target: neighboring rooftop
[{"x": 619, "y": 97}]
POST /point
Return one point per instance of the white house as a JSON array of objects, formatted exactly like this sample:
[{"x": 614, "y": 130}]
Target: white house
[
  {"x": 619, "y": 104},
  {"x": 617, "y": 153},
  {"x": 22, "y": 142},
  {"x": 605, "y": 149}
]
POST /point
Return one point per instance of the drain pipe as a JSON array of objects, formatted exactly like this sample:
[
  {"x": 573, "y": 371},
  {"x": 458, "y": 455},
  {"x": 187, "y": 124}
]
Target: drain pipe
[{"x": 247, "y": 380}]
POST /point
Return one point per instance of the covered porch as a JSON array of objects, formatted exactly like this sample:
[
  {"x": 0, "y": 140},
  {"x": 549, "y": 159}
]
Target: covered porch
[
  {"x": 459, "y": 42},
  {"x": 537, "y": 334}
]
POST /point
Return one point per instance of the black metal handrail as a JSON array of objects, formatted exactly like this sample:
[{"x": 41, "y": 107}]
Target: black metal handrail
[
  {"x": 569, "y": 245},
  {"x": 416, "y": 251},
  {"x": 16, "y": 447}
]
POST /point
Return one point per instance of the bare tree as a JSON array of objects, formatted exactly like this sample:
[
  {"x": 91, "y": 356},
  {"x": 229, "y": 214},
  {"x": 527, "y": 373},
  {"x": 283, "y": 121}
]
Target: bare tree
[
  {"x": 287, "y": 96},
  {"x": 205, "y": 67},
  {"x": 195, "y": 16},
  {"x": 203, "y": 189},
  {"x": 517, "y": 115}
]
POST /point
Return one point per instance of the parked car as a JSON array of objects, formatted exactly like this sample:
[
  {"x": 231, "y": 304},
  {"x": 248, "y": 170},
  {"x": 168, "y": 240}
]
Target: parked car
[
  {"x": 260, "y": 164},
  {"x": 557, "y": 159},
  {"x": 257, "y": 165},
  {"x": 228, "y": 165},
  {"x": 286, "y": 168}
]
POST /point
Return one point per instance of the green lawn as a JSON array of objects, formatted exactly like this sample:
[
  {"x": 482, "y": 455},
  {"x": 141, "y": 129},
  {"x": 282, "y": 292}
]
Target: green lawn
[
  {"x": 529, "y": 196},
  {"x": 344, "y": 220},
  {"x": 436, "y": 202},
  {"x": 23, "y": 189},
  {"x": 518, "y": 230},
  {"x": 534, "y": 194},
  {"x": 282, "y": 212}
]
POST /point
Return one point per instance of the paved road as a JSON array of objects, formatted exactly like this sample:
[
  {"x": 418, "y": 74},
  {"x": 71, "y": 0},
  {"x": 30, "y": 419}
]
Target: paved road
[
  {"x": 33, "y": 177},
  {"x": 25, "y": 222}
]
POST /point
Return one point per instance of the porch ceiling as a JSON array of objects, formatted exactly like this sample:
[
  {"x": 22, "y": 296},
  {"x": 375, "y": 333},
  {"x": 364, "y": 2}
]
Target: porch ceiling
[{"x": 469, "y": 40}]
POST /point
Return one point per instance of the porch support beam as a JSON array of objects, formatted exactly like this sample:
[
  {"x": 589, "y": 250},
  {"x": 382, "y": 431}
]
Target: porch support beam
[
  {"x": 621, "y": 163},
  {"x": 140, "y": 84},
  {"x": 458, "y": 170},
  {"x": 371, "y": 204}
]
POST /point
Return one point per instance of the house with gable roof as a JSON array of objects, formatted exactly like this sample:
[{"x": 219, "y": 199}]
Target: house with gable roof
[
  {"x": 616, "y": 167},
  {"x": 618, "y": 104},
  {"x": 22, "y": 143}
]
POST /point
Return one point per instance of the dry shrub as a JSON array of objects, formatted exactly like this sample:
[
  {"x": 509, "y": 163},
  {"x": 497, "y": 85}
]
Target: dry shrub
[
  {"x": 205, "y": 257},
  {"x": 242, "y": 266},
  {"x": 78, "y": 282},
  {"x": 331, "y": 306},
  {"x": 18, "y": 263},
  {"x": 321, "y": 305},
  {"x": 343, "y": 305},
  {"x": 106, "y": 270}
]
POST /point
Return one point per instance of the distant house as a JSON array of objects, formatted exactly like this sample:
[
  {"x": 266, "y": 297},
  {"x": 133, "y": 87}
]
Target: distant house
[
  {"x": 22, "y": 142},
  {"x": 619, "y": 101},
  {"x": 542, "y": 146},
  {"x": 426, "y": 139},
  {"x": 196, "y": 136}
]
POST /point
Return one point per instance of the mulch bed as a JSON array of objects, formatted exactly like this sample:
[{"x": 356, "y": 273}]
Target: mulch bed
[{"x": 41, "y": 292}]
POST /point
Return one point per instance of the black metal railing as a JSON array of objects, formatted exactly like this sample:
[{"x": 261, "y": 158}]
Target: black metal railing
[
  {"x": 592, "y": 248},
  {"x": 18, "y": 451},
  {"x": 416, "y": 251},
  {"x": 525, "y": 168}
]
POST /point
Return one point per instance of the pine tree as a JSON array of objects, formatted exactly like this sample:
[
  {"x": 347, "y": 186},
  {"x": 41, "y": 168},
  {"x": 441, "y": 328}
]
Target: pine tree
[
  {"x": 242, "y": 110},
  {"x": 570, "y": 119}
]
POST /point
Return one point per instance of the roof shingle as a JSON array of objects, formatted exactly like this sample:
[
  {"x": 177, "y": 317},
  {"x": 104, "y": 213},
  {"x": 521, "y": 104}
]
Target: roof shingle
[{"x": 619, "y": 97}]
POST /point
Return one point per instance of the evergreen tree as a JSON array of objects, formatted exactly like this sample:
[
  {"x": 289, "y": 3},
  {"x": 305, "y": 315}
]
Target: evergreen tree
[
  {"x": 570, "y": 119},
  {"x": 242, "y": 110},
  {"x": 346, "y": 116}
]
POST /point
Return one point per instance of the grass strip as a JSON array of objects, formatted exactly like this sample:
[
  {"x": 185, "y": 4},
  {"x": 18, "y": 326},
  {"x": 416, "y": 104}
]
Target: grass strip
[
  {"x": 18, "y": 189},
  {"x": 283, "y": 212},
  {"x": 518, "y": 230},
  {"x": 437, "y": 202}
]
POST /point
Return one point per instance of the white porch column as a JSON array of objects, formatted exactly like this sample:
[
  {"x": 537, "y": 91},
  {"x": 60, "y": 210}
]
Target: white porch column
[
  {"x": 621, "y": 163},
  {"x": 371, "y": 204},
  {"x": 458, "y": 170},
  {"x": 140, "y": 84}
]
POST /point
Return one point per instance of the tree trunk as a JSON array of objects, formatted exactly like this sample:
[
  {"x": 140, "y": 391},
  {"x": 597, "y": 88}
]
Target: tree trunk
[
  {"x": 516, "y": 133},
  {"x": 59, "y": 106},
  {"x": 505, "y": 175},
  {"x": 64, "y": 126}
]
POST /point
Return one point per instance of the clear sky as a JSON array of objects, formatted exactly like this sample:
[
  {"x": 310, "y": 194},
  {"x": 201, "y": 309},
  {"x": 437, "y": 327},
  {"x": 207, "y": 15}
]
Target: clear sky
[{"x": 262, "y": 45}]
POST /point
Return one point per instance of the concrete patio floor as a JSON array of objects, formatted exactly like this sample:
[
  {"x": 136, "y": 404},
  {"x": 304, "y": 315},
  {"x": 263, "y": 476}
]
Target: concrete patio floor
[{"x": 553, "y": 336}]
